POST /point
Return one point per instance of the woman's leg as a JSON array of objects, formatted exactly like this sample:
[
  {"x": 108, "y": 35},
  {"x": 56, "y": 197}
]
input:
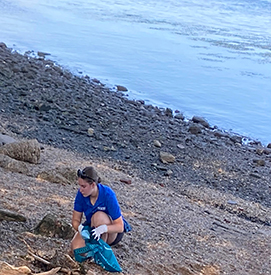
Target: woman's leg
[
  {"x": 100, "y": 218},
  {"x": 77, "y": 241}
]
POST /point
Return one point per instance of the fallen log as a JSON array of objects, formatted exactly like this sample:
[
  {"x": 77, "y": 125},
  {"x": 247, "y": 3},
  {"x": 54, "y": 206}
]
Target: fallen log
[{"x": 11, "y": 216}]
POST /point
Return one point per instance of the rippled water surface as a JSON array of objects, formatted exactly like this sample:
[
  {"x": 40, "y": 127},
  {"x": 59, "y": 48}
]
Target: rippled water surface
[{"x": 206, "y": 58}]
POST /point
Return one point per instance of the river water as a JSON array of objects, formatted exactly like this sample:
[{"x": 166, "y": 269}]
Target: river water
[{"x": 206, "y": 58}]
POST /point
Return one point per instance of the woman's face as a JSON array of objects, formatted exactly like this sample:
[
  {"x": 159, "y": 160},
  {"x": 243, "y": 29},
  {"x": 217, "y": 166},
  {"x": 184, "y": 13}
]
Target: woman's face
[{"x": 86, "y": 188}]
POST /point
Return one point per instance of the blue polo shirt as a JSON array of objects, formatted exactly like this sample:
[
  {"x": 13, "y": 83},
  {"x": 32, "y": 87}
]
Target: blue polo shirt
[{"x": 106, "y": 202}]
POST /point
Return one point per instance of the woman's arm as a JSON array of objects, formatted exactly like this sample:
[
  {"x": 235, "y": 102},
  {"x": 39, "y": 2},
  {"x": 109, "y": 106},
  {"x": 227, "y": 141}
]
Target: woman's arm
[
  {"x": 76, "y": 219},
  {"x": 116, "y": 226}
]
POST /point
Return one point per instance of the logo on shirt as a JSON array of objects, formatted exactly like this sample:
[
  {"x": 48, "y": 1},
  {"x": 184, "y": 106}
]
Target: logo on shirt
[{"x": 101, "y": 208}]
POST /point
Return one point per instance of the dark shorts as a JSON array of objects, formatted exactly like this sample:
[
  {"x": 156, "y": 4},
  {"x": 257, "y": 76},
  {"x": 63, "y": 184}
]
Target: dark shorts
[{"x": 118, "y": 238}]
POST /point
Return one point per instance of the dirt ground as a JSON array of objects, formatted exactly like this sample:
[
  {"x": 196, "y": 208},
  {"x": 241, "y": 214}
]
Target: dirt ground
[
  {"x": 206, "y": 213},
  {"x": 172, "y": 233}
]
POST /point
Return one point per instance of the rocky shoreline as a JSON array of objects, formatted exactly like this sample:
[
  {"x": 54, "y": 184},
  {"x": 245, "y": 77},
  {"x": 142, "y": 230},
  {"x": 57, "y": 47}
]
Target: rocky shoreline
[
  {"x": 198, "y": 198},
  {"x": 41, "y": 100}
]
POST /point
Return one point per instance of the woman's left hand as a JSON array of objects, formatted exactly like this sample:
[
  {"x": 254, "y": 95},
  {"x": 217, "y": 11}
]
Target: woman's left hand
[{"x": 98, "y": 231}]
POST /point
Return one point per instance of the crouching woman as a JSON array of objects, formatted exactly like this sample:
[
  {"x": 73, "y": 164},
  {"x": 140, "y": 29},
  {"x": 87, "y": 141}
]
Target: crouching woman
[{"x": 100, "y": 207}]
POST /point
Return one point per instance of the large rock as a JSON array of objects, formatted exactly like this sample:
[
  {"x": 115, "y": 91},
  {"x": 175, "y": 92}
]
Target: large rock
[
  {"x": 157, "y": 143},
  {"x": 63, "y": 175},
  {"x": 201, "y": 121},
  {"x": 121, "y": 88},
  {"x": 28, "y": 151},
  {"x": 13, "y": 165},
  {"x": 166, "y": 157},
  {"x": 194, "y": 129},
  {"x": 51, "y": 226},
  {"x": 68, "y": 173},
  {"x": 5, "y": 139}
]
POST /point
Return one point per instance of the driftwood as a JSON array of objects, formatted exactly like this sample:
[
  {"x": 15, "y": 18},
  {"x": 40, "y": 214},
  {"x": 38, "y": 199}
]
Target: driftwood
[
  {"x": 11, "y": 216},
  {"x": 7, "y": 269},
  {"x": 53, "y": 271},
  {"x": 31, "y": 252}
]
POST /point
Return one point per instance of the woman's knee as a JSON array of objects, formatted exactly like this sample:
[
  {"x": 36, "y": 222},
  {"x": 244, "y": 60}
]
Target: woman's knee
[{"x": 100, "y": 218}]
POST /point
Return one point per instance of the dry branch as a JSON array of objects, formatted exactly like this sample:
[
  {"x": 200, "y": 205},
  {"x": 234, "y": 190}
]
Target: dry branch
[
  {"x": 50, "y": 272},
  {"x": 39, "y": 258},
  {"x": 28, "y": 246}
]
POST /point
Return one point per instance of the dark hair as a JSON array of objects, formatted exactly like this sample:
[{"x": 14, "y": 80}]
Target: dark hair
[{"x": 89, "y": 174}]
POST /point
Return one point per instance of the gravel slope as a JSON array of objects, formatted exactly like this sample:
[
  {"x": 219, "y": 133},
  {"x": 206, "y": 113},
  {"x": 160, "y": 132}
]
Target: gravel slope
[{"x": 207, "y": 211}]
